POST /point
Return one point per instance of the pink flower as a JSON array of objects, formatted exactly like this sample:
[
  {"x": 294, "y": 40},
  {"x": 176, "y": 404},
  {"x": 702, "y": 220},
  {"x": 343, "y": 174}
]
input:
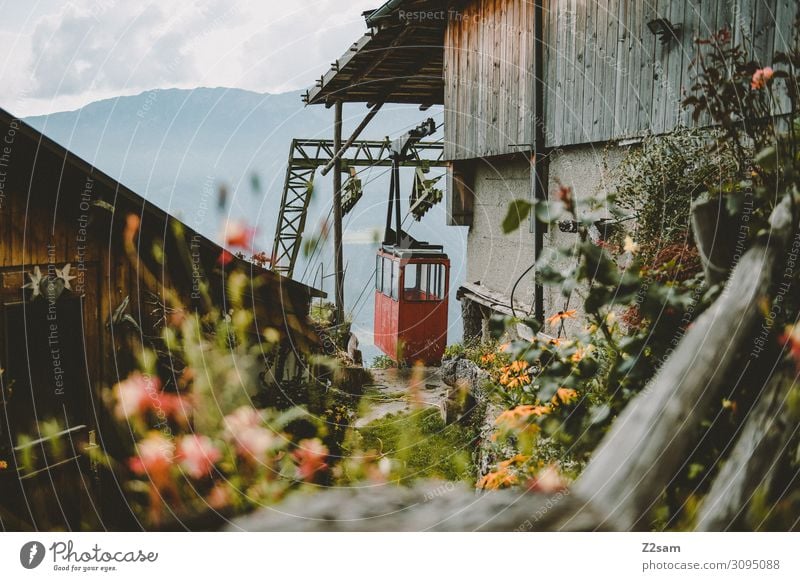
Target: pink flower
[
  {"x": 310, "y": 456},
  {"x": 761, "y": 78},
  {"x": 136, "y": 394},
  {"x": 219, "y": 497},
  {"x": 548, "y": 481},
  {"x": 197, "y": 455},
  {"x": 244, "y": 427},
  {"x": 239, "y": 235},
  {"x": 243, "y": 418},
  {"x": 254, "y": 443},
  {"x": 142, "y": 393},
  {"x": 174, "y": 406},
  {"x": 154, "y": 457}
]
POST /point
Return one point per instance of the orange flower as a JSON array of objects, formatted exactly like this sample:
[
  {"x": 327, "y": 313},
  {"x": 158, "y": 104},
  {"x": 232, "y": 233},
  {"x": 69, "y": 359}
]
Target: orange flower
[
  {"x": 504, "y": 347},
  {"x": 499, "y": 479},
  {"x": 225, "y": 258},
  {"x": 518, "y": 366},
  {"x": 518, "y": 459},
  {"x": 515, "y": 374},
  {"x": 512, "y": 381},
  {"x": 565, "y": 195},
  {"x": 519, "y": 417},
  {"x": 239, "y": 235},
  {"x": 488, "y": 358},
  {"x": 761, "y": 78},
  {"x": 564, "y": 395},
  {"x": 561, "y": 315}
]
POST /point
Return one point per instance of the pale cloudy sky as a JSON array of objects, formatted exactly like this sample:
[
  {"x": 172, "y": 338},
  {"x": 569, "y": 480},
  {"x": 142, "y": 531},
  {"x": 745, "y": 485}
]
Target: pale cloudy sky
[{"x": 61, "y": 55}]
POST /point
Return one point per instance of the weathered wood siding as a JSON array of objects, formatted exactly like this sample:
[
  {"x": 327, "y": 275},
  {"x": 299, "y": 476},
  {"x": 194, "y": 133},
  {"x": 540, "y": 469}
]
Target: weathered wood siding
[
  {"x": 608, "y": 77},
  {"x": 488, "y": 79}
]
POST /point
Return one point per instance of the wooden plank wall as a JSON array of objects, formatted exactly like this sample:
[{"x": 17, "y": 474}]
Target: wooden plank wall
[
  {"x": 489, "y": 79},
  {"x": 608, "y": 76}
]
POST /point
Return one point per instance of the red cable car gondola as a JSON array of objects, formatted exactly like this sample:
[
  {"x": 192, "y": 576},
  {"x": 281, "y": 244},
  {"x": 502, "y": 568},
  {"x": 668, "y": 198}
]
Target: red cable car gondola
[{"x": 412, "y": 280}]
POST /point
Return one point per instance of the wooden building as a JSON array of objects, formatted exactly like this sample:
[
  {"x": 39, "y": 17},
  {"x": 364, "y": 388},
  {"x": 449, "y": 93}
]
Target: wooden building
[
  {"x": 82, "y": 288},
  {"x": 538, "y": 93}
]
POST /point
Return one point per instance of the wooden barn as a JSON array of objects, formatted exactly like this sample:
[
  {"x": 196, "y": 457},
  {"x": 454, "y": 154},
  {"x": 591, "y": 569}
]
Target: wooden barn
[
  {"x": 85, "y": 264},
  {"x": 536, "y": 94}
]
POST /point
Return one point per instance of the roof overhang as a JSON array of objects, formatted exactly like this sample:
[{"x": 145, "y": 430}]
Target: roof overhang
[{"x": 399, "y": 60}]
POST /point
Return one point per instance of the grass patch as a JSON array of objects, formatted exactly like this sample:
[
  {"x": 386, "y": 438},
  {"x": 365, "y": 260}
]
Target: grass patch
[
  {"x": 383, "y": 362},
  {"x": 422, "y": 446},
  {"x": 373, "y": 394}
]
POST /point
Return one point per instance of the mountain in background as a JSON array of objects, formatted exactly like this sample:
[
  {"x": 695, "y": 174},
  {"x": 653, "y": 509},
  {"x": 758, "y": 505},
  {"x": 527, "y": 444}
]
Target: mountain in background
[{"x": 177, "y": 147}]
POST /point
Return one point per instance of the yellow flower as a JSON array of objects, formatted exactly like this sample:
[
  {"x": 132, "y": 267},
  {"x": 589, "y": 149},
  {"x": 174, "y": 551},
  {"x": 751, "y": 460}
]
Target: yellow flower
[{"x": 630, "y": 245}]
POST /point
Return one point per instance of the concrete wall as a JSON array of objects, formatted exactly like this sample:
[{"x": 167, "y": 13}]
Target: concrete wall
[
  {"x": 585, "y": 169},
  {"x": 496, "y": 260}
]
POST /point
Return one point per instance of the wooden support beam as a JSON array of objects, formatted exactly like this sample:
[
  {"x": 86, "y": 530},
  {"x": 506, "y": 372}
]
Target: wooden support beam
[
  {"x": 361, "y": 126},
  {"x": 338, "y": 254}
]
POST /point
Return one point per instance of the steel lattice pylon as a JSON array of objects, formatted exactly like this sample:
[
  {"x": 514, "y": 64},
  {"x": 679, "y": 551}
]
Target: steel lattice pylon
[{"x": 305, "y": 156}]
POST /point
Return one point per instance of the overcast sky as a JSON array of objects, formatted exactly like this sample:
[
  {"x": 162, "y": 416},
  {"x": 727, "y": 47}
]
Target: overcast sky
[{"x": 61, "y": 55}]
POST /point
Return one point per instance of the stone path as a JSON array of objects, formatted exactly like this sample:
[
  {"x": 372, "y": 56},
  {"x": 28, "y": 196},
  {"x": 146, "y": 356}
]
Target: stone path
[{"x": 391, "y": 392}]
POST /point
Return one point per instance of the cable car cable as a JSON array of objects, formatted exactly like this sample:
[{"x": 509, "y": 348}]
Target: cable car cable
[{"x": 318, "y": 245}]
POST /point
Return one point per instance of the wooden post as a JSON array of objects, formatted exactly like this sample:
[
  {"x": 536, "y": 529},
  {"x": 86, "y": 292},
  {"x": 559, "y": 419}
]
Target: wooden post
[
  {"x": 538, "y": 174},
  {"x": 338, "y": 257},
  {"x": 339, "y": 153}
]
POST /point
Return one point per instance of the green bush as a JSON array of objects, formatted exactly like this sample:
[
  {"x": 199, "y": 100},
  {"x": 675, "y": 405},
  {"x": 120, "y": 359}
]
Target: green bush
[
  {"x": 383, "y": 362},
  {"x": 657, "y": 182}
]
